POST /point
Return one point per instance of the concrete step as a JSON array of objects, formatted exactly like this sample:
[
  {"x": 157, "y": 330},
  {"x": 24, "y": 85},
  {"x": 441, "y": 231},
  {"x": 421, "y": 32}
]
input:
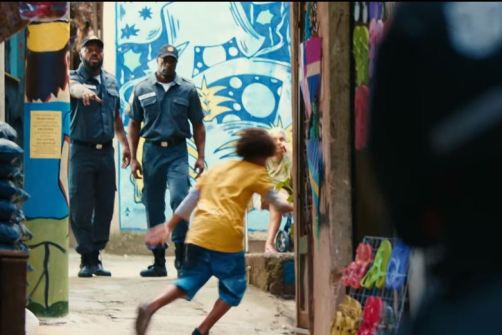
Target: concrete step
[
  {"x": 256, "y": 246},
  {"x": 274, "y": 273},
  {"x": 134, "y": 244}
]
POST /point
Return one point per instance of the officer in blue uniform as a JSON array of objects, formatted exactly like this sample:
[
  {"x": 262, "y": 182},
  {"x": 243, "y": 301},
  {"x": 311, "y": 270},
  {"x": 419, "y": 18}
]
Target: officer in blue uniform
[
  {"x": 165, "y": 103},
  {"x": 95, "y": 118}
]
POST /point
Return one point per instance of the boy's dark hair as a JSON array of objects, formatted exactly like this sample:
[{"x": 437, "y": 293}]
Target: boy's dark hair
[{"x": 254, "y": 143}]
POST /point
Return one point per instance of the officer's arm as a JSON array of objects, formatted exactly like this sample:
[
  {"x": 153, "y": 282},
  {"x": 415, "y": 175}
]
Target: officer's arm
[
  {"x": 199, "y": 135},
  {"x": 133, "y": 131},
  {"x": 122, "y": 137},
  {"x": 119, "y": 127},
  {"x": 79, "y": 91},
  {"x": 196, "y": 117},
  {"x": 135, "y": 114}
]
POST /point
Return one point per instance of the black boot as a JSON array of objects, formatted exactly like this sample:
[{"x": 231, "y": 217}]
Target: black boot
[
  {"x": 158, "y": 269},
  {"x": 87, "y": 267},
  {"x": 179, "y": 256},
  {"x": 98, "y": 266},
  {"x": 197, "y": 332}
]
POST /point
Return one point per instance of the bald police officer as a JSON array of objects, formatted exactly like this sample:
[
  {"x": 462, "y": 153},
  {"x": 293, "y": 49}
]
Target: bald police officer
[
  {"x": 165, "y": 103},
  {"x": 95, "y": 118}
]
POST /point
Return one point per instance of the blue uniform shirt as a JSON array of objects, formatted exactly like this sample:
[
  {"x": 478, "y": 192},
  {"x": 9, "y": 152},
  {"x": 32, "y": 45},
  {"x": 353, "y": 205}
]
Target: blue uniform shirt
[
  {"x": 166, "y": 114},
  {"x": 94, "y": 123}
]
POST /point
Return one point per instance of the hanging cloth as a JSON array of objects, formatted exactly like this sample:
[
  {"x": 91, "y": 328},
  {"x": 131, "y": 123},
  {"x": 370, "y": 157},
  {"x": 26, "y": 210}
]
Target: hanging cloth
[
  {"x": 375, "y": 10},
  {"x": 361, "y": 104},
  {"x": 315, "y": 164},
  {"x": 303, "y": 82},
  {"x": 313, "y": 66},
  {"x": 375, "y": 35},
  {"x": 307, "y": 26},
  {"x": 310, "y": 72},
  {"x": 312, "y": 51},
  {"x": 361, "y": 54}
]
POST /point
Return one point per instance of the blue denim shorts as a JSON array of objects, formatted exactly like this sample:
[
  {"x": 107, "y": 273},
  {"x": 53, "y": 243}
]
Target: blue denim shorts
[{"x": 200, "y": 264}]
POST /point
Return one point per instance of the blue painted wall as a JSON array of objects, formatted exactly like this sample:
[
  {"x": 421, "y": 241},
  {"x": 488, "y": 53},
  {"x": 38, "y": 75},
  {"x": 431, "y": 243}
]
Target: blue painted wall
[{"x": 236, "y": 53}]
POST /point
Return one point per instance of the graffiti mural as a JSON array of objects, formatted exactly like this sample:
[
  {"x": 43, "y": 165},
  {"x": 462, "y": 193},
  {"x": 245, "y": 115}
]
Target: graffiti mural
[
  {"x": 370, "y": 21},
  {"x": 238, "y": 56}
]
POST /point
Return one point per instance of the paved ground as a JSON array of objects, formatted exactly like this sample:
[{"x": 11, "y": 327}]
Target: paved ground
[{"x": 108, "y": 305}]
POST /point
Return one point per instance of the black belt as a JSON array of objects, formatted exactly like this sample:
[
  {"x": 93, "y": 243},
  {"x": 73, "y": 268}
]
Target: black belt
[
  {"x": 97, "y": 146},
  {"x": 167, "y": 143}
]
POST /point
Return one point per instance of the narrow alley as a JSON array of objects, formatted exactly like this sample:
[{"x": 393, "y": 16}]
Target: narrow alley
[
  {"x": 107, "y": 306},
  {"x": 339, "y": 158}
]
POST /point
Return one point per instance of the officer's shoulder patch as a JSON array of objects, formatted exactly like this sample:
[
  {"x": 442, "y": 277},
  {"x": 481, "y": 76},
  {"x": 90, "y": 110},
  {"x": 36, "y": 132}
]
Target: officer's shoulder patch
[
  {"x": 142, "y": 87},
  {"x": 188, "y": 83},
  {"x": 109, "y": 77},
  {"x": 142, "y": 82},
  {"x": 74, "y": 75}
]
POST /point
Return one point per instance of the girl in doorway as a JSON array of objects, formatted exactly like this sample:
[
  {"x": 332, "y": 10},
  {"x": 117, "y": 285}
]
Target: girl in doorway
[{"x": 279, "y": 169}]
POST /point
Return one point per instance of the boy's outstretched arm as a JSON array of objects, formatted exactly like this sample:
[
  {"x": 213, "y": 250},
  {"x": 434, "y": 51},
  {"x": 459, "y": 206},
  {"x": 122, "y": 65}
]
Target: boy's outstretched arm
[
  {"x": 276, "y": 201},
  {"x": 161, "y": 233}
]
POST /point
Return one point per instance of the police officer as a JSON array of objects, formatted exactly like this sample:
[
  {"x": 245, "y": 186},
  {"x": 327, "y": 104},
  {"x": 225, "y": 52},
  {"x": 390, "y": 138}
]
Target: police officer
[
  {"x": 95, "y": 117},
  {"x": 164, "y": 103}
]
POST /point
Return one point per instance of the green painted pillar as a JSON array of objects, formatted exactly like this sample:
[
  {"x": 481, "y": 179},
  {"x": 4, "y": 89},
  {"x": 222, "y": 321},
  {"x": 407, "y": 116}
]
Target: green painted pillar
[{"x": 46, "y": 141}]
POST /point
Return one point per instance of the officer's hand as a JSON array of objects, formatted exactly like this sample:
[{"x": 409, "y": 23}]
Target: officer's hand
[
  {"x": 88, "y": 96},
  {"x": 199, "y": 167},
  {"x": 126, "y": 157},
  {"x": 136, "y": 169}
]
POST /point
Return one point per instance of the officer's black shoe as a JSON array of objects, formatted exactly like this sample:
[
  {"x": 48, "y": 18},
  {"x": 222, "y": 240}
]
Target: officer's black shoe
[
  {"x": 87, "y": 267},
  {"x": 86, "y": 271},
  {"x": 100, "y": 271},
  {"x": 98, "y": 266},
  {"x": 158, "y": 269},
  {"x": 154, "y": 271}
]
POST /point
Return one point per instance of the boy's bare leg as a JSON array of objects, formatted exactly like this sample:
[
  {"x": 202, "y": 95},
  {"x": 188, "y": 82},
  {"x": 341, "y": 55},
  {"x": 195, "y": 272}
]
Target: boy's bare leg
[
  {"x": 172, "y": 293},
  {"x": 146, "y": 311},
  {"x": 273, "y": 227},
  {"x": 219, "y": 309}
]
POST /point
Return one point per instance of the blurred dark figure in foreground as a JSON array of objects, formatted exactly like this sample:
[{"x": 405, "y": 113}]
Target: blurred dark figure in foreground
[{"x": 436, "y": 146}]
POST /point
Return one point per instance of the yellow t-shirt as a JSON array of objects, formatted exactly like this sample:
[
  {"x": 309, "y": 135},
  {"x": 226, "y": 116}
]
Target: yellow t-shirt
[{"x": 225, "y": 191}]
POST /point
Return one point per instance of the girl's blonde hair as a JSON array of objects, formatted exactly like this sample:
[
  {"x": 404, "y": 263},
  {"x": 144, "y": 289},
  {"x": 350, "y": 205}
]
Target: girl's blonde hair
[{"x": 276, "y": 130}]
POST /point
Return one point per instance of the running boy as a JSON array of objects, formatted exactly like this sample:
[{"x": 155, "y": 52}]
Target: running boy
[{"x": 215, "y": 239}]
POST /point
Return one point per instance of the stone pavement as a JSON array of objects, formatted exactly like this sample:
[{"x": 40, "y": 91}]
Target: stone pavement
[{"x": 108, "y": 305}]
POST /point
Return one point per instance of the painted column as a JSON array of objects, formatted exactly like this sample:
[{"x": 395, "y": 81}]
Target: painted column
[
  {"x": 2, "y": 81},
  {"x": 46, "y": 142}
]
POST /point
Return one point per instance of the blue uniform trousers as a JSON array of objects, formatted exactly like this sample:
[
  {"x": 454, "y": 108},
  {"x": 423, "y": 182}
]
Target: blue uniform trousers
[
  {"x": 92, "y": 195},
  {"x": 165, "y": 167}
]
